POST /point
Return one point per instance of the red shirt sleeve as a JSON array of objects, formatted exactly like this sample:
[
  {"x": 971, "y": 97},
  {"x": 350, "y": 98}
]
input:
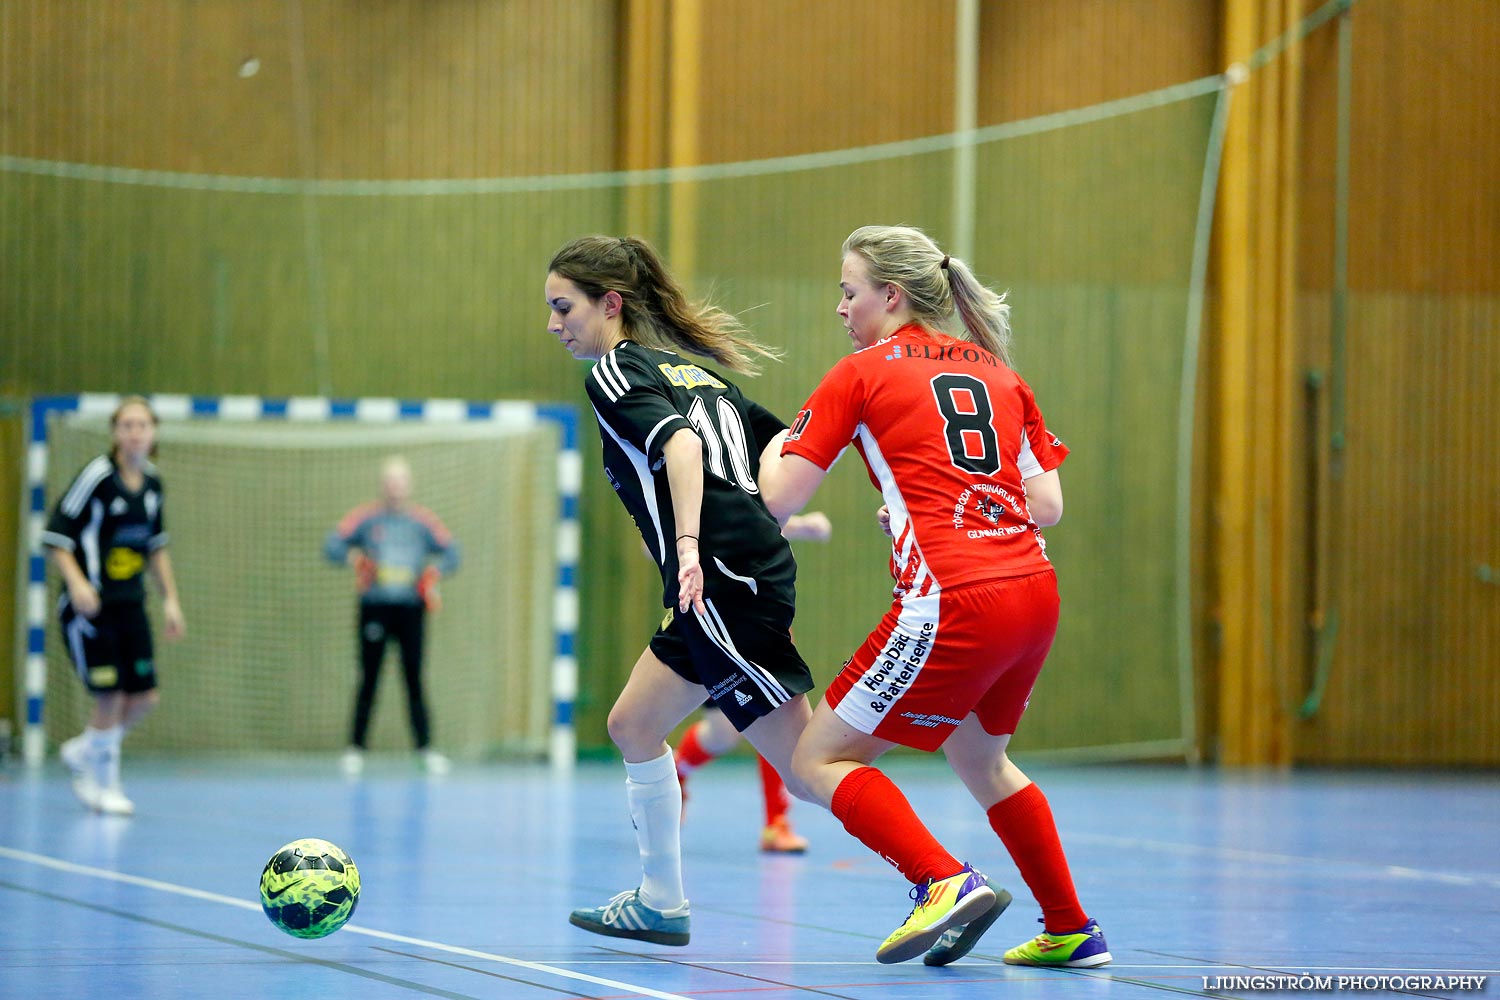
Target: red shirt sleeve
[
  {"x": 1041, "y": 450},
  {"x": 828, "y": 420}
]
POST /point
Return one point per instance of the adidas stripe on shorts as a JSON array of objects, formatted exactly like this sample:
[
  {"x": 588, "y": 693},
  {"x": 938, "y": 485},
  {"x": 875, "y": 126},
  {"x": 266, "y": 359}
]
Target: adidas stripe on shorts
[{"x": 741, "y": 651}]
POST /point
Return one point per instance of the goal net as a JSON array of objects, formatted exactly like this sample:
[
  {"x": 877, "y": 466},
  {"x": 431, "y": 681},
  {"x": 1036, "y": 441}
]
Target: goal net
[{"x": 270, "y": 659}]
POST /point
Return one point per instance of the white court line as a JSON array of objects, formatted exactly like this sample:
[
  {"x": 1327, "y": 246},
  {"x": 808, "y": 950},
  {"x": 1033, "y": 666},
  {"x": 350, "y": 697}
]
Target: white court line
[
  {"x": 1360, "y": 868},
  {"x": 56, "y": 864},
  {"x": 1360, "y": 969}
]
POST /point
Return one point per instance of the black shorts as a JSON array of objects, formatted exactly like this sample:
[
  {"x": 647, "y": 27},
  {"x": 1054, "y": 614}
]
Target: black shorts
[
  {"x": 111, "y": 651},
  {"x": 742, "y": 652}
]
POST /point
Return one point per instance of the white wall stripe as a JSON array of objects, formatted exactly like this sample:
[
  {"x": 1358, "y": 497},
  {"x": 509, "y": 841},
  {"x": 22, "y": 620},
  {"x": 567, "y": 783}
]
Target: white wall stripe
[
  {"x": 445, "y": 411},
  {"x": 565, "y": 678},
  {"x": 172, "y": 407},
  {"x": 240, "y": 408},
  {"x": 565, "y": 609},
  {"x": 568, "y": 542},
  {"x": 36, "y": 674},
  {"x": 570, "y": 473},
  {"x": 312, "y": 408},
  {"x": 36, "y": 602},
  {"x": 36, "y": 464},
  {"x": 513, "y": 414},
  {"x": 97, "y": 404},
  {"x": 380, "y": 411}
]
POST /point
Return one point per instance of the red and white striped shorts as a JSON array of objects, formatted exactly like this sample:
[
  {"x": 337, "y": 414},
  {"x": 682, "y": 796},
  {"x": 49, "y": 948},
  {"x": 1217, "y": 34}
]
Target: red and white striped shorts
[{"x": 934, "y": 659}]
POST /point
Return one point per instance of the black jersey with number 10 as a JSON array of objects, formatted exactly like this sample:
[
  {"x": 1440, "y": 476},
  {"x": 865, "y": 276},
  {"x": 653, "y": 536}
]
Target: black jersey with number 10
[{"x": 643, "y": 396}]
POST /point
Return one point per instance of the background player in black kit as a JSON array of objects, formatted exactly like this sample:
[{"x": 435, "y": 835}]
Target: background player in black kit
[
  {"x": 105, "y": 532},
  {"x": 682, "y": 447}
]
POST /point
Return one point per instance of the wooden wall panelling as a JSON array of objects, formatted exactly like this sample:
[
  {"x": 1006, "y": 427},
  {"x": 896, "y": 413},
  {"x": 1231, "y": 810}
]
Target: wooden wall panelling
[
  {"x": 1415, "y": 672},
  {"x": 1253, "y": 499}
]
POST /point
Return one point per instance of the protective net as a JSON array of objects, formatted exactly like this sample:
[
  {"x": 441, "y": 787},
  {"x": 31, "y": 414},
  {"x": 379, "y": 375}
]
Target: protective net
[
  {"x": 1091, "y": 220},
  {"x": 1091, "y": 228},
  {"x": 270, "y": 659}
]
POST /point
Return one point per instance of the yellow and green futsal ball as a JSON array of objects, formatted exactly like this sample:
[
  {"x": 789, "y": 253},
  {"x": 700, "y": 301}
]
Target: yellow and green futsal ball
[{"x": 309, "y": 888}]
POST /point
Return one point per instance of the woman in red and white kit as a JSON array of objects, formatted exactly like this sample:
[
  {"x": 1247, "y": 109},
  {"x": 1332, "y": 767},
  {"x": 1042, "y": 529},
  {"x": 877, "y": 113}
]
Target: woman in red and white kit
[{"x": 953, "y": 439}]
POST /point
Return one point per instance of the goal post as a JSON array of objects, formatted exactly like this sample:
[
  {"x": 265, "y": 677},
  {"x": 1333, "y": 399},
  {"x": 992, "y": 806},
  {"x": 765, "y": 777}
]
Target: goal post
[{"x": 253, "y": 486}]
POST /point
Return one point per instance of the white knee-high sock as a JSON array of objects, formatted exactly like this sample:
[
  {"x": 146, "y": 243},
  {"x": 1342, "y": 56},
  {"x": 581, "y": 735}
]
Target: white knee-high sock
[
  {"x": 656, "y": 810},
  {"x": 104, "y": 754}
]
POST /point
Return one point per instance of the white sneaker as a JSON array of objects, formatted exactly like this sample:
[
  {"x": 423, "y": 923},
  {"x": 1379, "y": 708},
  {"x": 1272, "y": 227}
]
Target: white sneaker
[
  {"x": 352, "y": 762},
  {"x": 435, "y": 762},
  {"x": 112, "y": 800},
  {"x": 75, "y": 754}
]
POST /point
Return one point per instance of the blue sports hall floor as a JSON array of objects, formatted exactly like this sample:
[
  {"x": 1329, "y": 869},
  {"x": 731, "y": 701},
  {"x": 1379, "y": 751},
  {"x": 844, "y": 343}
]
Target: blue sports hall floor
[{"x": 1391, "y": 880}]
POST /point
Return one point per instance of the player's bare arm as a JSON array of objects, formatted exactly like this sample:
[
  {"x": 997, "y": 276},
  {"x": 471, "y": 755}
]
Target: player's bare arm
[
  {"x": 787, "y": 483},
  {"x": 1044, "y": 498},
  {"x": 684, "y": 457},
  {"x": 174, "y": 623},
  {"x": 81, "y": 593},
  {"x": 814, "y": 526}
]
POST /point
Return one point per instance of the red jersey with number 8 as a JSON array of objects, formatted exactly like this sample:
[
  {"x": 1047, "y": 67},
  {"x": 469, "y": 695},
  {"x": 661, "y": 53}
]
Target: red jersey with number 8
[{"x": 948, "y": 434}]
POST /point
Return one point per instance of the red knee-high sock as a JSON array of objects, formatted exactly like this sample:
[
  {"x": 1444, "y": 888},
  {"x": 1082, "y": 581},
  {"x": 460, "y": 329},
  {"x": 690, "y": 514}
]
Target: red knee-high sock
[
  {"x": 777, "y": 800},
  {"x": 875, "y": 812},
  {"x": 690, "y": 753},
  {"x": 1024, "y": 824}
]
